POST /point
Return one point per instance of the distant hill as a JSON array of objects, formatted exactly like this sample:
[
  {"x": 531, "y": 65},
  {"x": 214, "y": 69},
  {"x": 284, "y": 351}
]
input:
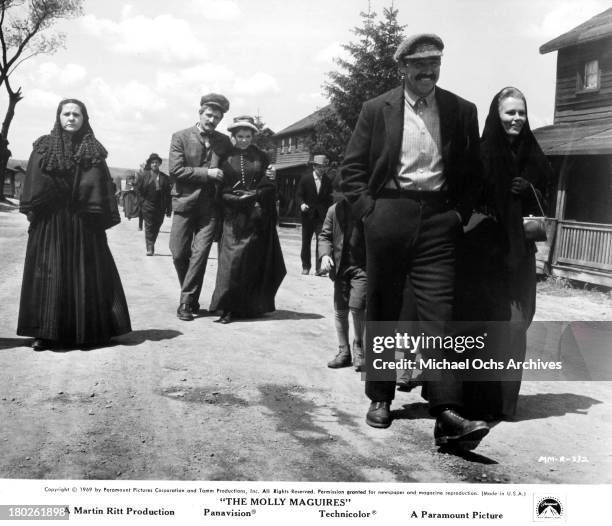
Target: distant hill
[
  {"x": 116, "y": 173},
  {"x": 14, "y": 164},
  {"x": 120, "y": 173}
]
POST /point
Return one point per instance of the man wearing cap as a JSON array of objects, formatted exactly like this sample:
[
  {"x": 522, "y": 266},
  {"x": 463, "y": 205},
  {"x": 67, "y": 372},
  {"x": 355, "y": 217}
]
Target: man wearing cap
[
  {"x": 153, "y": 188},
  {"x": 314, "y": 197},
  {"x": 195, "y": 177},
  {"x": 411, "y": 172}
]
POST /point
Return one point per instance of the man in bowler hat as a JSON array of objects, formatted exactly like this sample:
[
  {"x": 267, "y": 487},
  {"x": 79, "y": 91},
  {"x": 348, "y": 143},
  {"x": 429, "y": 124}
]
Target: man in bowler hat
[
  {"x": 153, "y": 188},
  {"x": 411, "y": 172},
  {"x": 195, "y": 176},
  {"x": 314, "y": 197}
]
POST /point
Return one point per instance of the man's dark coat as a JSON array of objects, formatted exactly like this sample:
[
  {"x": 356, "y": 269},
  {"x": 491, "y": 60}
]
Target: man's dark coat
[
  {"x": 189, "y": 166},
  {"x": 374, "y": 150},
  {"x": 306, "y": 192}
]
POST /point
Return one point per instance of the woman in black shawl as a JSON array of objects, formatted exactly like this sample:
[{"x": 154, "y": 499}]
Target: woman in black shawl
[
  {"x": 497, "y": 271},
  {"x": 251, "y": 264},
  {"x": 71, "y": 293}
]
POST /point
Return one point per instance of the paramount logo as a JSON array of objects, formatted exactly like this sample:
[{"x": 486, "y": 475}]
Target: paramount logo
[{"x": 548, "y": 509}]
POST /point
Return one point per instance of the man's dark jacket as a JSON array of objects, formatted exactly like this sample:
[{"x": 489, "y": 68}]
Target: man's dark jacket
[
  {"x": 189, "y": 167},
  {"x": 374, "y": 150},
  {"x": 147, "y": 190},
  {"x": 306, "y": 192},
  {"x": 339, "y": 229}
]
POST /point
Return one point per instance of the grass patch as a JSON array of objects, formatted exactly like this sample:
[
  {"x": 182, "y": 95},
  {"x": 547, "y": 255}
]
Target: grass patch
[{"x": 564, "y": 287}]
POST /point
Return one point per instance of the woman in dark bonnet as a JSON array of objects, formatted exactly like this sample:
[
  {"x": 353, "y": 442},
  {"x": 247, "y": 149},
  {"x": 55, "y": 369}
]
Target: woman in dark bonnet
[
  {"x": 251, "y": 265},
  {"x": 71, "y": 293},
  {"x": 496, "y": 275}
]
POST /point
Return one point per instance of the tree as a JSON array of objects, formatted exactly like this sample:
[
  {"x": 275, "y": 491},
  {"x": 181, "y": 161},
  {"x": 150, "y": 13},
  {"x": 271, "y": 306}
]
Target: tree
[
  {"x": 263, "y": 140},
  {"x": 24, "y": 34},
  {"x": 369, "y": 72},
  {"x": 330, "y": 135}
]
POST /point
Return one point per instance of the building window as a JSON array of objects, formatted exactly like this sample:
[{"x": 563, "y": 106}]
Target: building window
[
  {"x": 283, "y": 145},
  {"x": 294, "y": 143},
  {"x": 590, "y": 79}
]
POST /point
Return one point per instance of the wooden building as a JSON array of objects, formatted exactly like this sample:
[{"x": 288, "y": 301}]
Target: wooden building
[
  {"x": 292, "y": 161},
  {"x": 13, "y": 178},
  {"x": 579, "y": 146}
]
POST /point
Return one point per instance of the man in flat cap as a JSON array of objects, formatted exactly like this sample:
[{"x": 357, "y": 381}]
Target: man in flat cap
[
  {"x": 195, "y": 176},
  {"x": 411, "y": 172},
  {"x": 314, "y": 197}
]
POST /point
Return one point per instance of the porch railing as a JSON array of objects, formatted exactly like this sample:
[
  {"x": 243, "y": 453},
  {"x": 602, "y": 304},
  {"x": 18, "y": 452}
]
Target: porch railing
[{"x": 584, "y": 244}]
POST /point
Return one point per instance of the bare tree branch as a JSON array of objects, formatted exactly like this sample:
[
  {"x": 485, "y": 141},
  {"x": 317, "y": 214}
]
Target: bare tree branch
[
  {"x": 22, "y": 37},
  {"x": 3, "y": 42},
  {"x": 16, "y": 65},
  {"x": 26, "y": 32}
]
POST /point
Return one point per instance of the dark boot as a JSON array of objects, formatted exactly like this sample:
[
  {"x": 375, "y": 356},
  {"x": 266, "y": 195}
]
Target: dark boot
[
  {"x": 39, "y": 344},
  {"x": 184, "y": 312},
  {"x": 379, "y": 415},
  {"x": 453, "y": 430},
  {"x": 226, "y": 318},
  {"x": 342, "y": 359}
]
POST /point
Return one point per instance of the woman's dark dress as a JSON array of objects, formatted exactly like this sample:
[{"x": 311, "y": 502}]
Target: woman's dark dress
[
  {"x": 71, "y": 290},
  {"x": 251, "y": 264},
  {"x": 131, "y": 199},
  {"x": 496, "y": 271}
]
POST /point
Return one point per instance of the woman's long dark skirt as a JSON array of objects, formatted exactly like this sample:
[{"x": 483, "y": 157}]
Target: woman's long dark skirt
[
  {"x": 509, "y": 300},
  {"x": 251, "y": 266},
  {"x": 131, "y": 204},
  {"x": 71, "y": 291}
]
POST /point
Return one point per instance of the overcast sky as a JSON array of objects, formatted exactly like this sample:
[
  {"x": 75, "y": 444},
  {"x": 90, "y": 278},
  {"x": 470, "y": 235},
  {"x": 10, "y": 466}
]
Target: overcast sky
[{"x": 141, "y": 66}]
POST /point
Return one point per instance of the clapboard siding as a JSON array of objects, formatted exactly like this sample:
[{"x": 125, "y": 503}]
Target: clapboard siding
[
  {"x": 292, "y": 157},
  {"x": 294, "y": 154},
  {"x": 573, "y": 104}
]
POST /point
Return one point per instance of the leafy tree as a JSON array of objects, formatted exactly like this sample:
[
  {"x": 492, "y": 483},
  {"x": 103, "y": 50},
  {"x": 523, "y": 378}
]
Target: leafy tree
[
  {"x": 24, "y": 33},
  {"x": 369, "y": 72},
  {"x": 330, "y": 135},
  {"x": 263, "y": 139}
]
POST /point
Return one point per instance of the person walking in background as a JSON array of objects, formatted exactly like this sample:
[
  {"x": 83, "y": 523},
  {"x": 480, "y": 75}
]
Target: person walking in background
[
  {"x": 130, "y": 199},
  {"x": 251, "y": 266},
  {"x": 314, "y": 197},
  {"x": 496, "y": 273},
  {"x": 153, "y": 188},
  {"x": 342, "y": 252},
  {"x": 71, "y": 293},
  {"x": 194, "y": 198},
  {"x": 411, "y": 172}
]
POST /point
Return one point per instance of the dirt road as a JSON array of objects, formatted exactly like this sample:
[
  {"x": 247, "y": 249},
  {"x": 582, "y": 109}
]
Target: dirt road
[{"x": 254, "y": 400}]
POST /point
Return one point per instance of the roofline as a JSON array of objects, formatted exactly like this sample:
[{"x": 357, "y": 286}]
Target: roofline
[
  {"x": 587, "y": 26},
  {"x": 294, "y": 131},
  {"x": 553, "y": 46},
  {"x": 305, "y": 127}
]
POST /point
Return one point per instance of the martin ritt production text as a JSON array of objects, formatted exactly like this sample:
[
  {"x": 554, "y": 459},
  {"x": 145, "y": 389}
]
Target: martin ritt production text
[{"x": 123, "y": 510}]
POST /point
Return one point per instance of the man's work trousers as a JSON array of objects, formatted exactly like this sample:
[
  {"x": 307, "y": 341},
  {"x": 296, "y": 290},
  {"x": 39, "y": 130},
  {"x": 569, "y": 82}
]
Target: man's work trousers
[
  {"x": 410, "y": 251},
  {"x": 310, "y": 225},
  {"x": 191, "y": 238}
]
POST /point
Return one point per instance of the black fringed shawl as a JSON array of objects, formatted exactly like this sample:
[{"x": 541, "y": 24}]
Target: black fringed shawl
[
  {"x": 502, "y": 162},
  {"x": 65, "y": 167}
]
